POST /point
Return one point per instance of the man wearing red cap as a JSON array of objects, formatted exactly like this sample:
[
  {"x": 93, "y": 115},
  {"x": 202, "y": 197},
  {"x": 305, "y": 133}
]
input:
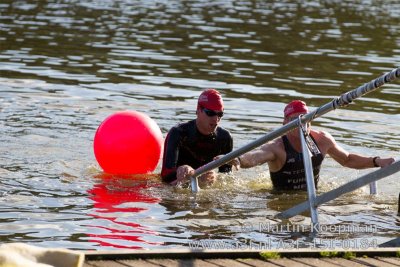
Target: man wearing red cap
[
  {"x": 285, "y": 160},
  {"x": 194, "y": 143}
]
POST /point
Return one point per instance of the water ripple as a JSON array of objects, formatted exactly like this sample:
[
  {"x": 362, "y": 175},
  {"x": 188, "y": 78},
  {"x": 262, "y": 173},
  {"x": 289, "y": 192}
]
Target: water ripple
[{"x": 67, "y": 65}]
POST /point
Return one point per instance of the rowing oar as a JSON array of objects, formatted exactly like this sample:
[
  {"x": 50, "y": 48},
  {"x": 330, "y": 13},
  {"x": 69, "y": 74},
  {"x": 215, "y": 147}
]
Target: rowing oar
[
  {"x": 341, "y": 101},
  {"x": 343, "y": 189}
]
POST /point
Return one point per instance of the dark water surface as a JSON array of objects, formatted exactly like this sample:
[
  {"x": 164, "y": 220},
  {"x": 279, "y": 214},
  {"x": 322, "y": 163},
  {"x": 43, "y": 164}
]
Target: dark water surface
[{"x": 67, "y": 65}]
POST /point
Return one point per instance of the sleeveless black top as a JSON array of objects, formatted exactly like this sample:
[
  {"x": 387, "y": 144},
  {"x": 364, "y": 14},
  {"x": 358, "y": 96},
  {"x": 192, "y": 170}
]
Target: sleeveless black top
[
  {"x": 292, "y": 175},
  {"x": 185, "y": 145}
]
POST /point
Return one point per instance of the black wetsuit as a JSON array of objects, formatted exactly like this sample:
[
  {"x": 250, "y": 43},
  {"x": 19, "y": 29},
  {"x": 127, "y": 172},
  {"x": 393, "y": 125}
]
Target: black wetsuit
[
  {"x": 292, "y": 175},
  {"x": 185, "y": 145}
]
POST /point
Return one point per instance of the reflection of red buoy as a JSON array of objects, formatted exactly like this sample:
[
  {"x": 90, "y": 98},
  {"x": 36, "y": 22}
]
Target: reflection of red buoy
[
  {"x": 109, "y": 194},
  {"x": 112, "y": 225},
  {"x": 128, "y": 142}
]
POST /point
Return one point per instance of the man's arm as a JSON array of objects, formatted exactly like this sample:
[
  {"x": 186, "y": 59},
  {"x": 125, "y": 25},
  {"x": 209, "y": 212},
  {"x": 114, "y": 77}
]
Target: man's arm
[
  {"x": 257, "y": 157},
  {"x": 170, "y": 157},
  {"x": 170, "y": 172},
  {"x": 227, "y": 148},
  {"x": 352, "y": 160}
]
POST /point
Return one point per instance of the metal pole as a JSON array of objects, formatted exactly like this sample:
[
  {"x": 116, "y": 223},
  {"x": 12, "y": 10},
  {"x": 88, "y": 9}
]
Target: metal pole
[
  {"x": 373, "y": 188},
  {"x": 341, "y": 101},
  {"x": 343, "y": 189},
  {"x": 309, "y": 175},
  {"x": 194, "y": 184}
]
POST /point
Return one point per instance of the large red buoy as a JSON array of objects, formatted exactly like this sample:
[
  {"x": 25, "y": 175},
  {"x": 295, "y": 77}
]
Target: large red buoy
[{"x": 128, "y": 142}]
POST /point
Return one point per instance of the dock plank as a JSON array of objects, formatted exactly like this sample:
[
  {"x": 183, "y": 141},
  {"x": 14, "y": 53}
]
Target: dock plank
[
  {"x": 315, "y": 262},
  {"x": 382, "y": 257},
  {"x": 165, "y": 262},
  {"x": 196, "y": 263},
  {"x": 374, "y": 262},
  {"x": 284, "y": 262},
  {"x": 137, "y": 263},
  {"x": 180, "y": 263},
  {"x": 257, "y": 263},
  {"x": 390, "y": 260},
  {"x": 343, "y": 262},
  {"x": 102, "y": 263},
  {"x": 226, "y": 262}
]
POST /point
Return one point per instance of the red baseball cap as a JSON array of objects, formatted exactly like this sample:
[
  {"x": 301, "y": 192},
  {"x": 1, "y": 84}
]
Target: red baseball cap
[
  {"x": 211, "y": 99},
  {"x": 295, "y": 106}
]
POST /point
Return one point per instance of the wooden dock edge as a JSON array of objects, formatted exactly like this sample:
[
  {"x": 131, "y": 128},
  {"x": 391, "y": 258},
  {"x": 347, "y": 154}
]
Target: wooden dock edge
[{"x": 236, "y": 254}]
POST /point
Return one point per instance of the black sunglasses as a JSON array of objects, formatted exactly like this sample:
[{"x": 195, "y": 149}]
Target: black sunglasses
[{"x": 212, "y": 113}]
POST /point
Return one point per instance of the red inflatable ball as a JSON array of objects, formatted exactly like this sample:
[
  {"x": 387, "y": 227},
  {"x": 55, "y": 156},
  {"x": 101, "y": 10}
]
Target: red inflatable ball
[{"x": 128, "y": 142}]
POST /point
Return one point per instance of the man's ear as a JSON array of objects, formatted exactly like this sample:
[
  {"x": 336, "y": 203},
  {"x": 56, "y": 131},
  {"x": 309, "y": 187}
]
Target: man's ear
[{"x": 198, "y": 110}]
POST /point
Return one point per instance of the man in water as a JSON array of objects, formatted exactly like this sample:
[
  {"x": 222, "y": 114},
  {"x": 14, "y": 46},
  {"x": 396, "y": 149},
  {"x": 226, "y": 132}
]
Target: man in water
[
  {"x": 192, "y": 144},
  {"x": 285, "y": 161}
]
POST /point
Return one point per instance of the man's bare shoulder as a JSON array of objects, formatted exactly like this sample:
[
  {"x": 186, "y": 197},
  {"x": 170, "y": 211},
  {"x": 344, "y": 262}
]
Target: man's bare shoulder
[
  {"x": 320, "y": 134},
  {"x": 273, "y": 144},
  {"x": 323, "y": 138}
]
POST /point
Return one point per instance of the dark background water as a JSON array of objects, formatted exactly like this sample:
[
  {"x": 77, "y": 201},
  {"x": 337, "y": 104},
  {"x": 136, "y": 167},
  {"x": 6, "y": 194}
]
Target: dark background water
[{"x": 67, "y": 65}]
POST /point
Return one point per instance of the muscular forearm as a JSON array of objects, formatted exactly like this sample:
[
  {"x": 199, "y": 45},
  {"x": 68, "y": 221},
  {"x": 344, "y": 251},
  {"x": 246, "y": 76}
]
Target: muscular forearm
[
  {"x": 360, "y": 162},
  {"x": 356, "y": 161},
  {"x": 252, "y": 158},
  {"x": 249, "y": 160}
]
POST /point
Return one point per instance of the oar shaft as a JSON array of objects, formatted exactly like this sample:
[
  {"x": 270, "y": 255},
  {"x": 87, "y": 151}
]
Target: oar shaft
[
  {"x": 343, "y": 189},
  {"x": 240, "y": 151},
  {"x": 341, "y": 101}
]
